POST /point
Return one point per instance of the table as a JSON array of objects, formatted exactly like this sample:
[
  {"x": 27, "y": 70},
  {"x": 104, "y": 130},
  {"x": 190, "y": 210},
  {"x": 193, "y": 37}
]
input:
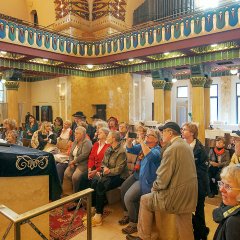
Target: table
[{"x": 22, "y": 161}]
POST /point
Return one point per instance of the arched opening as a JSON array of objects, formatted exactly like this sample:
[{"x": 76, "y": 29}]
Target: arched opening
[{"x": 34, "y": 17}]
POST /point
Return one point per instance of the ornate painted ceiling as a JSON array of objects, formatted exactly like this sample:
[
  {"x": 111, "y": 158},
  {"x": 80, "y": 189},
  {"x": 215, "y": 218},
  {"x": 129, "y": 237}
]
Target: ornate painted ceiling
[{"x": 211, "y": 37}]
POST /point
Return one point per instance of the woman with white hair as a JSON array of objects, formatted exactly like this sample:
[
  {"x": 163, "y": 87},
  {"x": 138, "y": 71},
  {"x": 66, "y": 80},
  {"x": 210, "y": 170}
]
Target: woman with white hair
[
  {"x": 78, "y": 158},
  {"x": 12, "y": 138},
  {"x": 228, "y": 214}
]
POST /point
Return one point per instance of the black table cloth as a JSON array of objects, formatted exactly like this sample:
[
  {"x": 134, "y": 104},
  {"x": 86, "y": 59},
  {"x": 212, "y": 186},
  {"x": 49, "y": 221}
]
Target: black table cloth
[{"x": 22, "y": 161}]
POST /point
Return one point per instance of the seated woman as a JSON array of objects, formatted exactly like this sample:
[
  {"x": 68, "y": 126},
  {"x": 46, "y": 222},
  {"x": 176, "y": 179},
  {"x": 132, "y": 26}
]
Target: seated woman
[
  {"x": 95, "y": 158},
  {"x": 57, "y": 126},
  {"x": 63, "y": 140},
  {"x": 8, "y": 125},
  {"x": 12, "y": 138},
  {"x": 78, "y": 158},
  {"x": 46, "y": 136},
  {"x": 31, "y": 127},
  {"x": 228, "y": 214},
  {"x": 99, "y": 124},
  {"x": 140, "y": 182},
  {"x": 219, "y": 157},
  {"x": 114, "y": 172}
]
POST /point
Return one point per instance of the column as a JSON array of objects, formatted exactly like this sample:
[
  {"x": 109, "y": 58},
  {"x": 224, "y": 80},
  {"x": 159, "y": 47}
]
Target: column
[
  {"x": 168, "y": 101},
  {"x": 159, "y": 100},
  {"x": 207, "y": 101},
  {"x": 198, "y": 110},
  {"x": 12, "y": 99}
]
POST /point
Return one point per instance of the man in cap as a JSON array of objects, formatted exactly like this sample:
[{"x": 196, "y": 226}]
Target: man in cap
[
  {"x": 78, "y": 117},
  {"x": 175, "y": 189}
]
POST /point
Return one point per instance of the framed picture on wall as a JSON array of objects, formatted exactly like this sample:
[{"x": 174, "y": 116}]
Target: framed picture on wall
[{"x": 46, "y": 113}]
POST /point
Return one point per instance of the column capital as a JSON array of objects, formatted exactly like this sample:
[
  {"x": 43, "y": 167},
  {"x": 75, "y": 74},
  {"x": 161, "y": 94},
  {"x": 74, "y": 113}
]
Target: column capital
[
  {"x": 12, "y": 85},
  {"x": 158, "y": 84},
  {"x": 208, "y": 83},
  {"x": 168, "y": 86},
  {"x": 198, "y": 81}
]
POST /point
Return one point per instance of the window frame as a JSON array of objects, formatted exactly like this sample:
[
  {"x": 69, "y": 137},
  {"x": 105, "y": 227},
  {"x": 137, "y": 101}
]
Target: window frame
[
  {"x": 214, "y": 97},
  {"x": 182, "y": 87}
]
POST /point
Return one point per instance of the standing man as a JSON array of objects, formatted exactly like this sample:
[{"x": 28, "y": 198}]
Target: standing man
[
  {"x": 175, "y": 189},
  {"x": 78, "y": 117}
]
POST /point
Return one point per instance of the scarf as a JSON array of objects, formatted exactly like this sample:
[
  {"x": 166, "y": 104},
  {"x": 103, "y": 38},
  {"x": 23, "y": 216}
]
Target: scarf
[
  {"x": 219, "y": 151},
  {"x": 138, "y": 161},
  {"x": 224, "y": 211}
]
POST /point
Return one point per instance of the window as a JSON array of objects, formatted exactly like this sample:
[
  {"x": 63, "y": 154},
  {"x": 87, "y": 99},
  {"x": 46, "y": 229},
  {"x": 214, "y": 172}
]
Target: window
[
  {"x": 182, "y": 92},
  {"x": 1, "y": 92},
  {"x": 214, "y": 102},
  {"x": 238, "y": 102}
]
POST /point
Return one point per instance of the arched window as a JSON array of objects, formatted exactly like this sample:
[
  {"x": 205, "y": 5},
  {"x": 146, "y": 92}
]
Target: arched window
[{"x": 34, "y": 17}]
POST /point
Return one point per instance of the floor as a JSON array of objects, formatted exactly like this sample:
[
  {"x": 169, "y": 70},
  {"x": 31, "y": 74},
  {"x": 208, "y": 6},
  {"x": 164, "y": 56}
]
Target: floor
[{"x": 111, "y": 230}]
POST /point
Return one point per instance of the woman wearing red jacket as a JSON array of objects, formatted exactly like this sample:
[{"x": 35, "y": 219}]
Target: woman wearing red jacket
[{"x": 95, "y": 158}]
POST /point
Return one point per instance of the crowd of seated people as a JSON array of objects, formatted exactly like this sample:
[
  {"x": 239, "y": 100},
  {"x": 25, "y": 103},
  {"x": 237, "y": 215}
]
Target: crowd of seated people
[{"x": 96, "y": 156}]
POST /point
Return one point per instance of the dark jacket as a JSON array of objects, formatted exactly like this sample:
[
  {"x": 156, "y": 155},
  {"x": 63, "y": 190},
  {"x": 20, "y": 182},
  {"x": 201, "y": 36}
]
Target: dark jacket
[
  {"x": 228, "y": 228},
  {"x": 201, "y": 162},
  {"x": 52, "y": 139}
]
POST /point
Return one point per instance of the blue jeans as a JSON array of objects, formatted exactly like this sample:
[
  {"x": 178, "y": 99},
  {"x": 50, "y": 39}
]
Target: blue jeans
[{"x": 130, "y": 197}]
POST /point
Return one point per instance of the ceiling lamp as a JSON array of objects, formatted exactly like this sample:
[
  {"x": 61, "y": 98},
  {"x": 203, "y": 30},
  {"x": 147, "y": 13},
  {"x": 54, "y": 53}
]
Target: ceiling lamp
[
  {"x": 166, "y": 53},
  {"x": 174, "y": 80},
  {"x": 234, "y": 71},
  {"x": 3, "y": 52},
  {"x": 130, "y": 59},
  {"x": 214, "y": 45},
  {"x": 89, "y": 66}
]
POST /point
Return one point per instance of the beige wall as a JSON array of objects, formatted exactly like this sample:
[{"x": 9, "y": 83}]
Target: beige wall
[
  {"x": 112, "y": 91},
  {"x": 45, "y": 10},
  {"x": 15, "y": 8},
  {"x": 24, "y": 100},
  {"x": 22, "y": 9},
  {"x": 46, "y": 93}
]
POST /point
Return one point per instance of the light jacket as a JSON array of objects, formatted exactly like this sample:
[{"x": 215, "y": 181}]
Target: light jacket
[{"x": 175, "y": 189}]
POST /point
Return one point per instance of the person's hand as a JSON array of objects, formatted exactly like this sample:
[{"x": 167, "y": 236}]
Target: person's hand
[
  {"x": 214, "y": 164},
  {"x": 46, "y": 139},
  {"x": 140, "y": 139},
  {"x": 72, "y": 164},
  {"x": 106, "y": 171},
  {"x": 91, "y": 174},
  {"x": 129, "y": 140}
]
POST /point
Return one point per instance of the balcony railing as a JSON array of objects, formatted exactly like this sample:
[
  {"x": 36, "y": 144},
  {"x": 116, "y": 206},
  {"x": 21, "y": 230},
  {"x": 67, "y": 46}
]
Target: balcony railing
[{"x": 18, "y": 219}]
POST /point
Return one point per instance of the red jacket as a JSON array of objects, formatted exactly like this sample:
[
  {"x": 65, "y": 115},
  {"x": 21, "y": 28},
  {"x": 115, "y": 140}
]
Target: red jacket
[{"x": 95, "y": 160}]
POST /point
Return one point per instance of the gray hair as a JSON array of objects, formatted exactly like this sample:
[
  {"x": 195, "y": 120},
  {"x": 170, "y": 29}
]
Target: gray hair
[
  {"x": 105, "y": 130},
  {"x": 101, "y": 124},
  {"x": 232, "y": 172},
  {"x": 154, "y": 132},
  {"x": 81, "y": 129},
  {"x": 116, "y": 135}
]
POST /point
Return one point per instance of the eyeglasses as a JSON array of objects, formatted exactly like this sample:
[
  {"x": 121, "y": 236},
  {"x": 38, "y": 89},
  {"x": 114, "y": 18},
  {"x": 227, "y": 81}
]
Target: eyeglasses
[
  {"x": 148, "y": 135},
  {"x": 227, "y": 187}
]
